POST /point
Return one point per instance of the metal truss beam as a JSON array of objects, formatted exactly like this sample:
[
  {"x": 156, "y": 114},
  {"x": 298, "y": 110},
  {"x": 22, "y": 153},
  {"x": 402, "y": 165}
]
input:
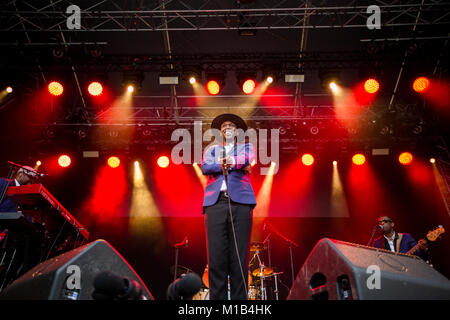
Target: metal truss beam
[{"x": 107, "y": 16}]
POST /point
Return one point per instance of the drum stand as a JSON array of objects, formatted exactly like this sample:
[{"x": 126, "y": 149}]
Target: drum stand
[{"x": 261, "y": 277}]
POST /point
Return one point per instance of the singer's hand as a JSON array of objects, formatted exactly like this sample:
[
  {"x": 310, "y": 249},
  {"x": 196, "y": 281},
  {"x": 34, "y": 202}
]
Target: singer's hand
[
  {"x": 226, "y": 162},
  {"x": 247, "y": 169}
]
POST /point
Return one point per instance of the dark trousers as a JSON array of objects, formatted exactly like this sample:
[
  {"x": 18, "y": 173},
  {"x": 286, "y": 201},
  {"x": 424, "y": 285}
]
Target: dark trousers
[{"x": 222, "y": 258}]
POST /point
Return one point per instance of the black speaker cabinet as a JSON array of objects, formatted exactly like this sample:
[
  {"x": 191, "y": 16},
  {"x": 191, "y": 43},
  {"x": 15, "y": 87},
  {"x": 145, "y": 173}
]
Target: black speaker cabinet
[
  {"x": 338, "y": 270},
  {"x": 71, "y": 275}
]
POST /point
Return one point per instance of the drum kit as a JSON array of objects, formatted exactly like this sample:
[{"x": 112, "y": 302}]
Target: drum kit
[{"x": 260, "y": 278}]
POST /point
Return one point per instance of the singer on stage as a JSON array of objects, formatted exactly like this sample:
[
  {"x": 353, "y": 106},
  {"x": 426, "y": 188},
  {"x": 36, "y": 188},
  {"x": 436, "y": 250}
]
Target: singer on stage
[{"x": 233, "y": 159}]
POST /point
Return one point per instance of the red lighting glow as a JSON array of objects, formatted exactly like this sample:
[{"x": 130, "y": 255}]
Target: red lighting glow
[
  {"x": 248, "y": 86},
  {"x": 163, "y": 162},
  {"x": 64, "y": 161},
  {"x": 55, "y": 88},
  {"x": 95, "y": 89},
  {"x": 359, "y": 159},
  {"x": 371, "y": 86},
  {"x": 405, "y": 158},
  {"x": 421, "y": 84},
  {"x": 213, "y": 87},
  {"x": 307, "y": 159},
  {"x": 113, "y": 162}
]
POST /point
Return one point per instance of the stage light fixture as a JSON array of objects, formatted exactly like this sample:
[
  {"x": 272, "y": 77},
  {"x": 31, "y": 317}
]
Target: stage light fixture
[
  {"x": 55, "y": 88},
  {"x": 358, "y": 159},
  {"x": 307, "y": 159},
  {"x": 371, "y": 86},
  {"x": 113, "y": 162},
  {"x": 432, "y": 160},
  {"x": 248, "y": 87},
  {"x": 213, "y": 87},
  {"x": 9, "y": 89},
  {"x": 163, "y": 161},
  {"x": 421, "y": 84},
  {"x": 215, "y": 83},
  {"x": 132, "y": 81},
  {"x": 329, "y": 79},
  {"x": 314, "y": 130},
  {"x": 405, "y": 158},
  {"x": 192, "y": 80},
  {"x": 335, "y": 163},
  {"x": 334, "y": 87},
  {"x": 246, "y": 81},
  {"x": 64, "y": 161},
  {"x": 95, "y": 88}
]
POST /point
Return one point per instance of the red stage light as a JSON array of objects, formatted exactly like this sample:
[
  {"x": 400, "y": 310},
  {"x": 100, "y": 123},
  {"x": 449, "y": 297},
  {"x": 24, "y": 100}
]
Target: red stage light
[
  {"x": 248, "y": 86},
  {"x": 421, "y": 84},
  {"x": 95, "y": 89},
  {"x": 163, "y": 161},
  {"x": 359, "y": 159},
  {"x": 371, "y": 86},
  {"x": 405, "y": 158},
  {"x": 113, "y": 162},
  {"x": 55, "y": 88},
  {"x": 307, "y": 159},
  {"x": 64, "y": 161},
  {"x": 212, "y": 87}
]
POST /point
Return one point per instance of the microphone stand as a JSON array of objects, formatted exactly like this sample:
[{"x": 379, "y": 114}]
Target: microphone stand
[
  {"x": 225, "y": 175},
  {"x": 290, "y": 244},
  {"x": 176, "y": 258},
  {"x": 373, "y": 235}
]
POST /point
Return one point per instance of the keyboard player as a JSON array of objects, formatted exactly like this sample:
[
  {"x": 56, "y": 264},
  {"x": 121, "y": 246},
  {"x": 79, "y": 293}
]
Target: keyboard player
[
  {"x": 16, "y": 259},
  {"x": 25, "y": 175}
]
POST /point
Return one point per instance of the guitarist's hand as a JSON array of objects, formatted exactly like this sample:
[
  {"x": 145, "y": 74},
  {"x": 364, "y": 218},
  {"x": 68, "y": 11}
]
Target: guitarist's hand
[{"x": 423, "y": 244}]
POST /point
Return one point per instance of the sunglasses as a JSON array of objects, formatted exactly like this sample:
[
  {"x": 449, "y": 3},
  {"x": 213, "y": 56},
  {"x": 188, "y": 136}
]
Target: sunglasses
[{"x": 384, "y": 221}]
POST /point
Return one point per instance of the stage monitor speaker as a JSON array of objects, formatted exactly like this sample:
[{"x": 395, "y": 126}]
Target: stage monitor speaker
[
  {"x": 56, "y": 279},
  {"x": 337, "y": 270}
]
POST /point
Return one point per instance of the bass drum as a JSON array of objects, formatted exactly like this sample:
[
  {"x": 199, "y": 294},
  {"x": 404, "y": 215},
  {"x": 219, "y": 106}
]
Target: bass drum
[{"x": 203, "y": 294}]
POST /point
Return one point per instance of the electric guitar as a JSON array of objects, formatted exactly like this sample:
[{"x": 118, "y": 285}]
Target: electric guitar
[{"x": 431, "y": 237}]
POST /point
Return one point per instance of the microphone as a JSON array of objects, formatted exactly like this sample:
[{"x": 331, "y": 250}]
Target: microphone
[
  {"x": 379, "y": 227},
  {"x": 42, "y": 174},
  {"x": 184, "y": 287},
  {"x": 224, "y": 161},
  {"x": 110, "y": 286},
  {"x": 184, "y": 243}
]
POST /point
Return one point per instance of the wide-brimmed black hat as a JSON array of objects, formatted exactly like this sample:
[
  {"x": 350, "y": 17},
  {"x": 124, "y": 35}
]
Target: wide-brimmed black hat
[{"x": 238, "y": 121}]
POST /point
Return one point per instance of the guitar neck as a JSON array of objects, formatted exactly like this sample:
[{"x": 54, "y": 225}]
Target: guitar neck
[{"x": 413, "y": 249}]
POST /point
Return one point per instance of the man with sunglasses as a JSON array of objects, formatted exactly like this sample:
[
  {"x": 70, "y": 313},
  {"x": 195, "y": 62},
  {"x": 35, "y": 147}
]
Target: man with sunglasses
[
  {"x": 25, "y": 175},
  {"x": 398, "y": 242}
]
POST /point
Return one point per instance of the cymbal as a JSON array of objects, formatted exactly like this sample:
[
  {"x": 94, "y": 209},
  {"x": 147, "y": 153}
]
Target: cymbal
[
  {"x": 257, "y": 246},
  {"x": 180, "y": 270},
  {"x": 267, "y": 271}
]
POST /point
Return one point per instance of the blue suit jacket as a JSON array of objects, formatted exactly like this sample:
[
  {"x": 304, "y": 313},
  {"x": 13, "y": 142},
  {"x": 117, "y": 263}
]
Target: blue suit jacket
[
  {"x": 7, "y": 204},
  {"x": 239, "y": 186},
  {"x": 405, "y": 245}
]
